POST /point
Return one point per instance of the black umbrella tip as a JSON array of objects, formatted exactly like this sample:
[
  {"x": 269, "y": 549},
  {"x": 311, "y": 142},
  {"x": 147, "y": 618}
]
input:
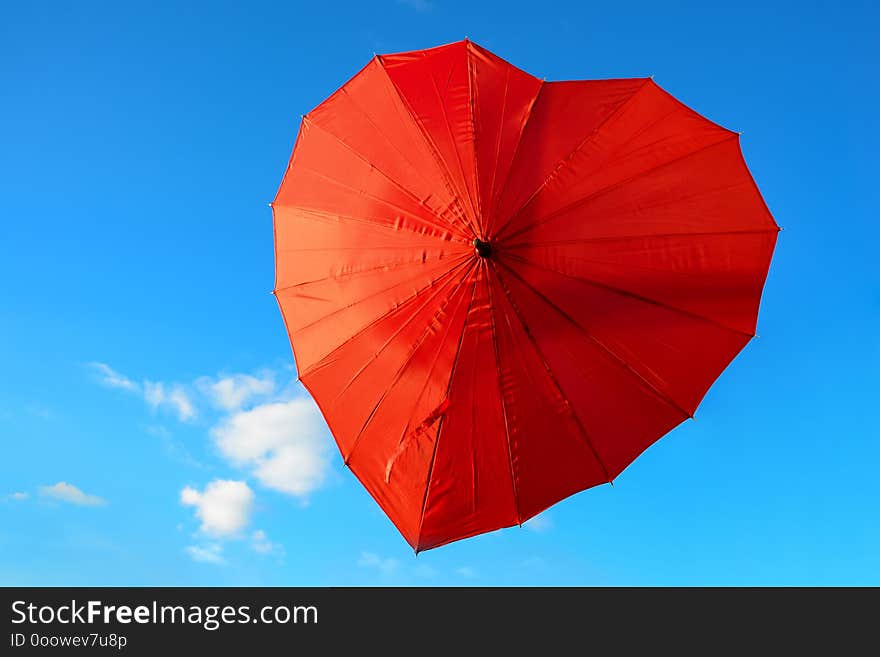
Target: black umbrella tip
[{"x": 484, "y": 249}]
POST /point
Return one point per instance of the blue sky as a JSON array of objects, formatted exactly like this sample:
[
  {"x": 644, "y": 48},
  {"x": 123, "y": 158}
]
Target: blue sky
[{"x": 139, "y": 146}]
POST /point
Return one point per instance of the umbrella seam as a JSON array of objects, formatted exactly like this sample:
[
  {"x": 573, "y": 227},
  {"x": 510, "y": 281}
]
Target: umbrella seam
[
  {"x": 361, "y": 192},
  {"x": 623, "y": 363},
  {"x": 610, "y": 188},
  {"x": 451, "y": 192},
  {"x": 467, "y": 188},
  {"x": 624, "y": 238},
  {"x": 340, "y": 217},
  {"x": 561, "y": 163},
  {"x": 375, "y": 321},
  {"x": 393, "y": 93},
  {"x": 553, "y": 379},
  {"x": 473, "y": 90},
  {"x": 399, "y": 373},
  {"x": 397, "y": 184},
  {"x": 444, "y": 169},
  {"x": 387, "y": 266},
  {"x": 442, "y": 418},
  {"x": 500, "y": 193},
  {"x": 488, "y": 217},
  {"x": 632, "y": 295},
  {"x": 396, "y": 333},
  {"x": 463, "y": 258},
  {"x": 503, "y": 404}
]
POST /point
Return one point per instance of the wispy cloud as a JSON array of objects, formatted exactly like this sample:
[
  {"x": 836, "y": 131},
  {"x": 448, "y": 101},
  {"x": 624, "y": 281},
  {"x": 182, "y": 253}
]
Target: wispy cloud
[
  {"x": 158, "y": 395},
  {"x": 262, "y": 545},
  {"x": 18, "y": 496},
  {"x": 113, "y": 379},
  {"x": 210, "y": 553},
  {"x": 465, "y": 571},
  {"x": 65, "y": 492},
  {"x": 372, "y": 560},
  {"x": 173, "y": 396},
  {"x": 224, "y": 507}
]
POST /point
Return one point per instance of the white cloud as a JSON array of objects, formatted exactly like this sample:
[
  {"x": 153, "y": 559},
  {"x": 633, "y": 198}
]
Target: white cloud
[
  {"x": 465, "y": 571},
  {"x": 224, "y": 507},
  {"x": 539, "y": 524},
  {"x": 234, "y": 391},
  {"x": 372, "y": 560},
  {"x": 112, "y": 378},
  {"x": 210, "y": 553},
  {"x": 160, "y": 395},
  {"x": 283, "y": 444},
  {"x": 64, "y": 492},
  {"x": 17, "y": 496}
]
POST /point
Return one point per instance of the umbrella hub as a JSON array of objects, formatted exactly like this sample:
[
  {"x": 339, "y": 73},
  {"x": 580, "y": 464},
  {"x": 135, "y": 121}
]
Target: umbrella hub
[{"x": 484, "y": 249}]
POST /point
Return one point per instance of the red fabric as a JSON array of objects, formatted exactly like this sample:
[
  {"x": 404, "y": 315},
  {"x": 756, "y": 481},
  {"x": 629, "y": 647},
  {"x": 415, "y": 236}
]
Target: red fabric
[{"x": 629, "y": 248}]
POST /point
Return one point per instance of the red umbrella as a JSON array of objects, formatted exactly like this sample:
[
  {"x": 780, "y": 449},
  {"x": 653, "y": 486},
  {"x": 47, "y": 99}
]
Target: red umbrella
[{"x": 500, "y": 291}]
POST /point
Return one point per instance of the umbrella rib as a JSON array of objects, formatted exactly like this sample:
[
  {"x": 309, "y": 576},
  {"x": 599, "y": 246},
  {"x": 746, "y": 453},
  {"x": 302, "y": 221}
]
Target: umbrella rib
[
  {"x": 387, "y": 266},
  {"x": 326, "y": 214},
  {"x": 404, "y": 438},
  {"x": 467, "y": 189},
  {"x": 361, "y": 192},
  {"x": 474, "y": 470},
  {"x": 443, "y": 417},
  {"x": 444, "y": 170},
  {"x": 525, "y": 124},
  {"x": 488, "y": 218},
  {"x": 407, "y": 113},
  {"x": 458, "y": 215},
  {"x": 625, "y": 238},
  {"x": 552, "y": 377},
  {"x": 473, "y": 90},
  {"x": 644, "y": 208},
  {"x": 503, "y": 405},
  {"x": 399, "y": 373},
  {"x": 561, "y": 164},
  {"x": 444, "y": 221},
  {"x": 387, "y": 342},
  {"x": 610, "y": 188},
  {"x": 383, "y": 315},
  {"x": 322, "y": 249},
  {"x": 620, "y": 361},
  {"x": 632, "y": 295}
]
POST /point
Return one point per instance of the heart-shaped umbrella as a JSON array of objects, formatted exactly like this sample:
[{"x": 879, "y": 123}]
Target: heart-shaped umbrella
[{"x": 499, "y": 290}]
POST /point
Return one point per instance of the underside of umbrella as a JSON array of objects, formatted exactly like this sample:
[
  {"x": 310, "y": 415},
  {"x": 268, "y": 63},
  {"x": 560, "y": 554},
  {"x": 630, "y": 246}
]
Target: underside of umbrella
[{"x": 500, "y": 291}]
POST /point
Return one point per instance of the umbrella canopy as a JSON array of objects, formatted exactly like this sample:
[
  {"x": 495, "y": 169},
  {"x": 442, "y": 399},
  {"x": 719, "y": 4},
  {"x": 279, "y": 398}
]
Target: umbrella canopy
[{"x": 499, "y": 290}]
